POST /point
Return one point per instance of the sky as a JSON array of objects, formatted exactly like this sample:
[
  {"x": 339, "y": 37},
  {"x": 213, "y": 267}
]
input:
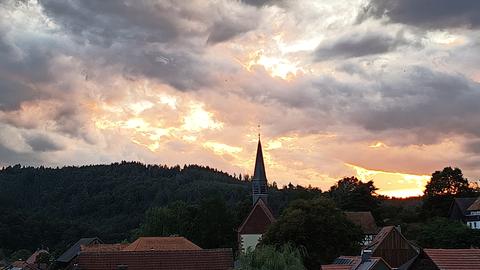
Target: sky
[{"x": 383, "y": 90}]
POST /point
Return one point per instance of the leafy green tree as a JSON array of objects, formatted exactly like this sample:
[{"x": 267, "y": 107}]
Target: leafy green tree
[
  {"x": 215, "y": 223},
  {"x": 270, "y": 258},
  {"x": 175, "y": 219},
  {"x": 209, "y": 224},
  {"x": 319, "y": 227},
  {"x": 354, "y": 195},
  {"x": 441, "y": 190},
  {"x": 444, "y": 233}
]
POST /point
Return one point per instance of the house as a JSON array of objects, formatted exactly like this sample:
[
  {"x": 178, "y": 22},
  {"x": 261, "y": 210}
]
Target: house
[
  {"x": 390, "y": 245},
  {"x": 366, "y": 222},
  {"x": 364, "y": 262},
  {"x": 260, "y": 217},
  {"x": 448, "y": 259},
  {"x": 159, "y": 253},
  {"x": 466, "y": 210},
  {"x": 32, "y": 262},
  {"x": 65, "y": 260}
]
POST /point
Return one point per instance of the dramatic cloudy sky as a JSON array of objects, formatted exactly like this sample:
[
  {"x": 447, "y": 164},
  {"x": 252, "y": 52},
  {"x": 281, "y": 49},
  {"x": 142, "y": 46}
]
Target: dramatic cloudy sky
[{"x": 387, "y": 90}]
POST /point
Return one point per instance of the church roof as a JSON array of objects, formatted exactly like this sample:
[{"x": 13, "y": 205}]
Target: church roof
[
  {"x": 259, "y": 172},
  {"x": 258, "y": 220}
]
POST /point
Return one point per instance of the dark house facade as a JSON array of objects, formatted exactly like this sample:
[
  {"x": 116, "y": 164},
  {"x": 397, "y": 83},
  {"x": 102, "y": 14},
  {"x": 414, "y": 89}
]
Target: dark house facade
[{"x": 466, "y": 210}]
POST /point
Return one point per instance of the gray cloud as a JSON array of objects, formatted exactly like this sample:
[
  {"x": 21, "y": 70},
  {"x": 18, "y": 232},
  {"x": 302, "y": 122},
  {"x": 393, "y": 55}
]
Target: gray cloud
[
  {"x": 433, "y": 104},
  {"x": 108, "y": 21},
  {"x": 161, "y": 40},
  {"x": 358, "y": 45},
  {"x": 42, "y": 143},
  {"x": 473, "y": 146},
  {"x": 225, "y": 30},
  {"x": 427, "y": 13},
  {"x": 260, "y": 3},
  {"x": 13, "y": 93}
]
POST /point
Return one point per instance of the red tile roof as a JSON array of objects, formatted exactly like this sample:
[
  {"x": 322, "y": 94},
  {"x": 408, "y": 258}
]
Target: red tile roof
[
  {"x": 258, "y": 219},
  {"x": 161, "y": 243},
  {"x": 203, "y": 259},
  {"x": 455, "y": 259},
  {"x": 103, "y": 247},
  {"x": 363, "y": 219}
]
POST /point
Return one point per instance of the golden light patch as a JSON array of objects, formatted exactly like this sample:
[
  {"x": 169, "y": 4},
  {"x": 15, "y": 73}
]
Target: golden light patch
[
  {"x": 221, "y": 148},
  {"x": 393, "y": 183},
  {"x": 378, "y": 145},
  {"x": 276, "y": 66},
  {"x": 199, "y": 119},
  {"x": 274, "y": 144},
  {"x": 141, "y": 106}
]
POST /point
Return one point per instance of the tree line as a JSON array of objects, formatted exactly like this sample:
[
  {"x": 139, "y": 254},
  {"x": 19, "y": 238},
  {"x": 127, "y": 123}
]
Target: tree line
[{"x": 54, "y": 207}]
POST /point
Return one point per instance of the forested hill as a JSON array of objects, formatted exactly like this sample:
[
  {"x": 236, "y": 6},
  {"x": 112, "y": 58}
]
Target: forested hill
[{"x": 54, "y": 207}]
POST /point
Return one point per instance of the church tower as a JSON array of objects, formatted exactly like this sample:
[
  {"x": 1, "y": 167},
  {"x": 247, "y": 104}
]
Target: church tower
[
  {"x": 259, "y": 180},
  {"x": 260, "y": 217}
]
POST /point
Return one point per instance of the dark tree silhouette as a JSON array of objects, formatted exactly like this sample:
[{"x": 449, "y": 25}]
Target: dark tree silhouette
[
  {"x": 352, "y": 194},
  {"x": 318, "y": 227}
]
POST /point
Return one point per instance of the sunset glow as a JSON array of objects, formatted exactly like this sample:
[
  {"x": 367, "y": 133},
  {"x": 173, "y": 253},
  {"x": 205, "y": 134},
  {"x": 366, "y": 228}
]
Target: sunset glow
[{"x": 339, "y": 88}]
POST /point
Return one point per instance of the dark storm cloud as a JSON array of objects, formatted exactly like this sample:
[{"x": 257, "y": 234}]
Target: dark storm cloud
[
  {"x": 427, "y": 13},
  {"x": 358, "y": 45},
  {"x": 225, "y": 30},
  {"x": 260, "y": 3},
  {"x": 42, "y": 143},
  {"x": 162, "y": 40},
  {"x": 428, "y": 102},
  {"x": 13, "y": 93},
  {"x": 22, "y": 67},
  {"x": 104, "y": 22}
]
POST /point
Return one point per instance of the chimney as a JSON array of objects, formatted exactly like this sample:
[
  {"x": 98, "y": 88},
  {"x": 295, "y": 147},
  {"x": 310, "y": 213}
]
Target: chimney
[{"x": 366, "y": 255}]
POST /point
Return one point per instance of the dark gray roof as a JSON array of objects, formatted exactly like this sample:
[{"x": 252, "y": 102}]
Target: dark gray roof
[
  {"x": 464, "y": 203},
  {"x": 74, "y": 250}
]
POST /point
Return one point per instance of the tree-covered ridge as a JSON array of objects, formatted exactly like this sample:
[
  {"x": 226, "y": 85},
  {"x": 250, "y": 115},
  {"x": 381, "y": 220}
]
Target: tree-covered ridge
[{"x": 54, "y": 207}]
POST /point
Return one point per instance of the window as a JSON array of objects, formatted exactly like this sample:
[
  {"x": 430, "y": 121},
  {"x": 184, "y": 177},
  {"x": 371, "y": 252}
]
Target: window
[
  {"x": 122, "y": 267},
  {"x": 474, "y": 213}
]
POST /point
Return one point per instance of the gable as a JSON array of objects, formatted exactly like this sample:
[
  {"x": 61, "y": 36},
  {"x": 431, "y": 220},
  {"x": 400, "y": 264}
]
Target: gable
[
  {"x": 258, "y": 220},
  {"x": 393, "y": 247},
  {"x": 475, "y": 205}
]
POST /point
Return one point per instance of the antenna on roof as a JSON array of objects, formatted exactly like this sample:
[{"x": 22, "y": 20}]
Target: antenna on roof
[{"x": 258, "y": 132}]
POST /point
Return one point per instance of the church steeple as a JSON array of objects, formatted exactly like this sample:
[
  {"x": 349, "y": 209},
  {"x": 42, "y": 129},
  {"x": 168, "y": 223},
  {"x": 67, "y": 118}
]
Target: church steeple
[{"x": 259, "y": 180}]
